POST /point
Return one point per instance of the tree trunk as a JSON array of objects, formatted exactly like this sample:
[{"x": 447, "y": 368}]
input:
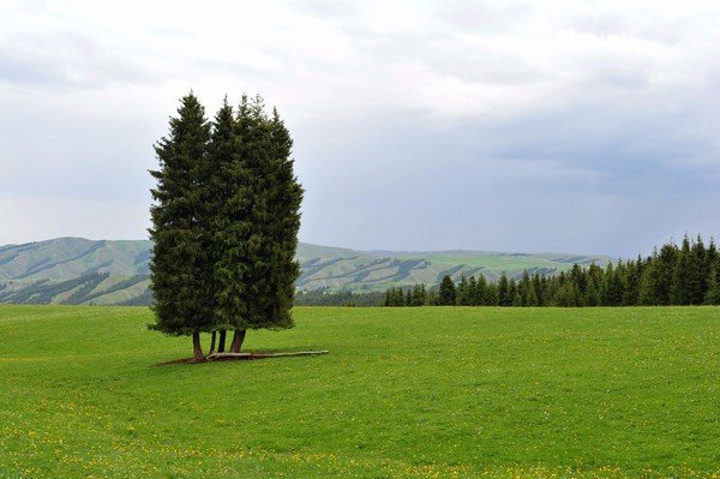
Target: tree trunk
[
  {"x": 197, "y": 348},
  {"x": 237, "y": 341},
  {"x": 221, "y": 342},
  {"x": 212, "y": 343}
]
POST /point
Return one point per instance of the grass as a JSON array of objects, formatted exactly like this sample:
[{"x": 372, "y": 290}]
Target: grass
[{"x": 417, "y": 392}]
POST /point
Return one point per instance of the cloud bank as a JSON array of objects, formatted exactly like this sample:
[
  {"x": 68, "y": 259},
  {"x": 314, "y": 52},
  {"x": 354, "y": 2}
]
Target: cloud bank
[{"x": 512, "y": 126}]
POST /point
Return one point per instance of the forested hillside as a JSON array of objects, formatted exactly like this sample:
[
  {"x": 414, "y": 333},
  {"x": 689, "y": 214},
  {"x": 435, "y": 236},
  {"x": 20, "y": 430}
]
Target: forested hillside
[{"x": 80, "y": 271}]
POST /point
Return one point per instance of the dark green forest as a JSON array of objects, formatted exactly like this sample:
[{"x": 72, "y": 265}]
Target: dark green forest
[
  {"x": 688, "y": 274},
  {"x": 673, "y": 275}
]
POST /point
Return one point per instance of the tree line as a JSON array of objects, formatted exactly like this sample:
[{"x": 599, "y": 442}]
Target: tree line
[
  {"x": 225, "y": 219},
  {"x": 688, "y": 274},
  {"x": 325, "y": 297}
]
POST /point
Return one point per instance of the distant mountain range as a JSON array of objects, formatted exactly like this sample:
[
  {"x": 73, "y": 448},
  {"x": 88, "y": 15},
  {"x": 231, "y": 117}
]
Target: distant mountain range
[{"x": 81, "y": 271}]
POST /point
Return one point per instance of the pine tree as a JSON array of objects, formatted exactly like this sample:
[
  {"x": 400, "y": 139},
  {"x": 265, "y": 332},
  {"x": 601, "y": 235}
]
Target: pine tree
[
  {"x": 419, "y": 295},
  {"x": 225, "y": 223},
  {"x": 657, "y": 279},
  {"x": 531, "y": 298},
  {"x": 540, "y": 285},
  {"x": 409, "y": 297},
  {"x": 262, "y": 218},
  {"x": 391, "y": 297},
  {"x": 686, "y": 285},
  {"x": 579, "y": 278},
  {"x": 505, "y": 296},
  {"x": 480, "y": 291},
  {"x": 283, "y": 200},
  {"x": 631, "y": 283},
  {"x": 432, "y": 298},
  {"x": 566, "y": 296},
  {"x": 711, "y": 255},
  {"x": 611, "y": 289},
  {"x": 463, "y": 292},
  {"x": 227, "y": 279},
  {"x": 180, "y": 269},
  {"x": 492, "y": 295},
  {"x": 447, "y": 294},
  {"x": 513, "y": 292},
  {"x": 701, "y": 270},
  {"x": 712, "y": 296},
  {"x": 517, "y": 301},
  {"x": 526, "y": 288}
]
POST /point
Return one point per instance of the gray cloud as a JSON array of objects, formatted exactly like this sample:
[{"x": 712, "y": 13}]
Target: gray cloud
[{"x": 523, "y": 126}]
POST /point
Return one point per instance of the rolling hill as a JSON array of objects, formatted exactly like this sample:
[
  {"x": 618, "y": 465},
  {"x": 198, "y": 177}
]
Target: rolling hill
[{"x": 81, "y": 271}]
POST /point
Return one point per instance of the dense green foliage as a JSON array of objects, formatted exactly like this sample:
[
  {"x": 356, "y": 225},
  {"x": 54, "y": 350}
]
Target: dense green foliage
[
  {"x": 686, "y": 275},
  {"x": 180, "y": 267},
  {"x": 405, "y": 392},
  {"x": 225, "y": 223}
]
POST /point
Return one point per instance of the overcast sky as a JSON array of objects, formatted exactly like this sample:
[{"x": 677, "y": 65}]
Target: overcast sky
[{"x": 529, "y": 126}]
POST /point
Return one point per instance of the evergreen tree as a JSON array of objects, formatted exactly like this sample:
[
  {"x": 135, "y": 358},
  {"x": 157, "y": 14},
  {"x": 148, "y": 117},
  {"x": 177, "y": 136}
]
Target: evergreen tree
[
  {"x": 180, "y": 269},
  {"x": 711, "y": 255},
  {"x": 530, "y": 298},
  {"x": 473, "y": 298},
  {"x": 685, "y": 286},
  {"x": 701, "y": 270},
  {"x": 257, "y": 224},
  {"x": 419, "y": 295},
  {"x": 512, "y": 292},
  {"x": 595, "y": 276},
  {"x": 222, "y": 182},
  {"x": 611, "y": 290},
  {"x": 479, "y": 290},
  {"x": 517, "y": 299},
  {"x": 631, "y": 282},
  {"x": 431, "y": 298},
  {"x": 657, "y": 279},
  {"x": 566, "y": 295},
  {"x": 579, "y": 278},
  {"x": 283, "y": 199},
  {"x": 712, "y": 296},
  {"x": 447, "y": 294},
  {"x": 492, "y": 296},
  {"x": 505, "y": 296},
  {"x": 526, "y": 288},
  {"x": 540, "y": 285},
  {"x": 225, "y": 223},
  {"x": 463, "y": 292},
  {"x": 391, "y": 297}
]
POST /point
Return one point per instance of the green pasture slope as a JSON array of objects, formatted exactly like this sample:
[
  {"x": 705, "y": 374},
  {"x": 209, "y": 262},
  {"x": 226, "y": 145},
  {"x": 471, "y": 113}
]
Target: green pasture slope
[{"x": 421, "y": 392}]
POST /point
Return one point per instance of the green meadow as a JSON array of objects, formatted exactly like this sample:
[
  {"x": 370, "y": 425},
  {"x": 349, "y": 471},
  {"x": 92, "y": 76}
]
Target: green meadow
[{"x": 417, "y": 392}]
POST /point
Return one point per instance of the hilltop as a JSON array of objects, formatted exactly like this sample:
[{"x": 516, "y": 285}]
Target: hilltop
[{"x": 81, "y": 271}]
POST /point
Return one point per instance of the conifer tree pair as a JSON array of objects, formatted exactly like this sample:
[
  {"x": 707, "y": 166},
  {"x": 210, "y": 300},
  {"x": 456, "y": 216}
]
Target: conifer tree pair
[{"x": 225, "y": 223}]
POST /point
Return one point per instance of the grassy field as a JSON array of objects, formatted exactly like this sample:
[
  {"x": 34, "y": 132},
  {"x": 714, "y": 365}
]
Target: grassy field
[{"x": 421, "y": 392}]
